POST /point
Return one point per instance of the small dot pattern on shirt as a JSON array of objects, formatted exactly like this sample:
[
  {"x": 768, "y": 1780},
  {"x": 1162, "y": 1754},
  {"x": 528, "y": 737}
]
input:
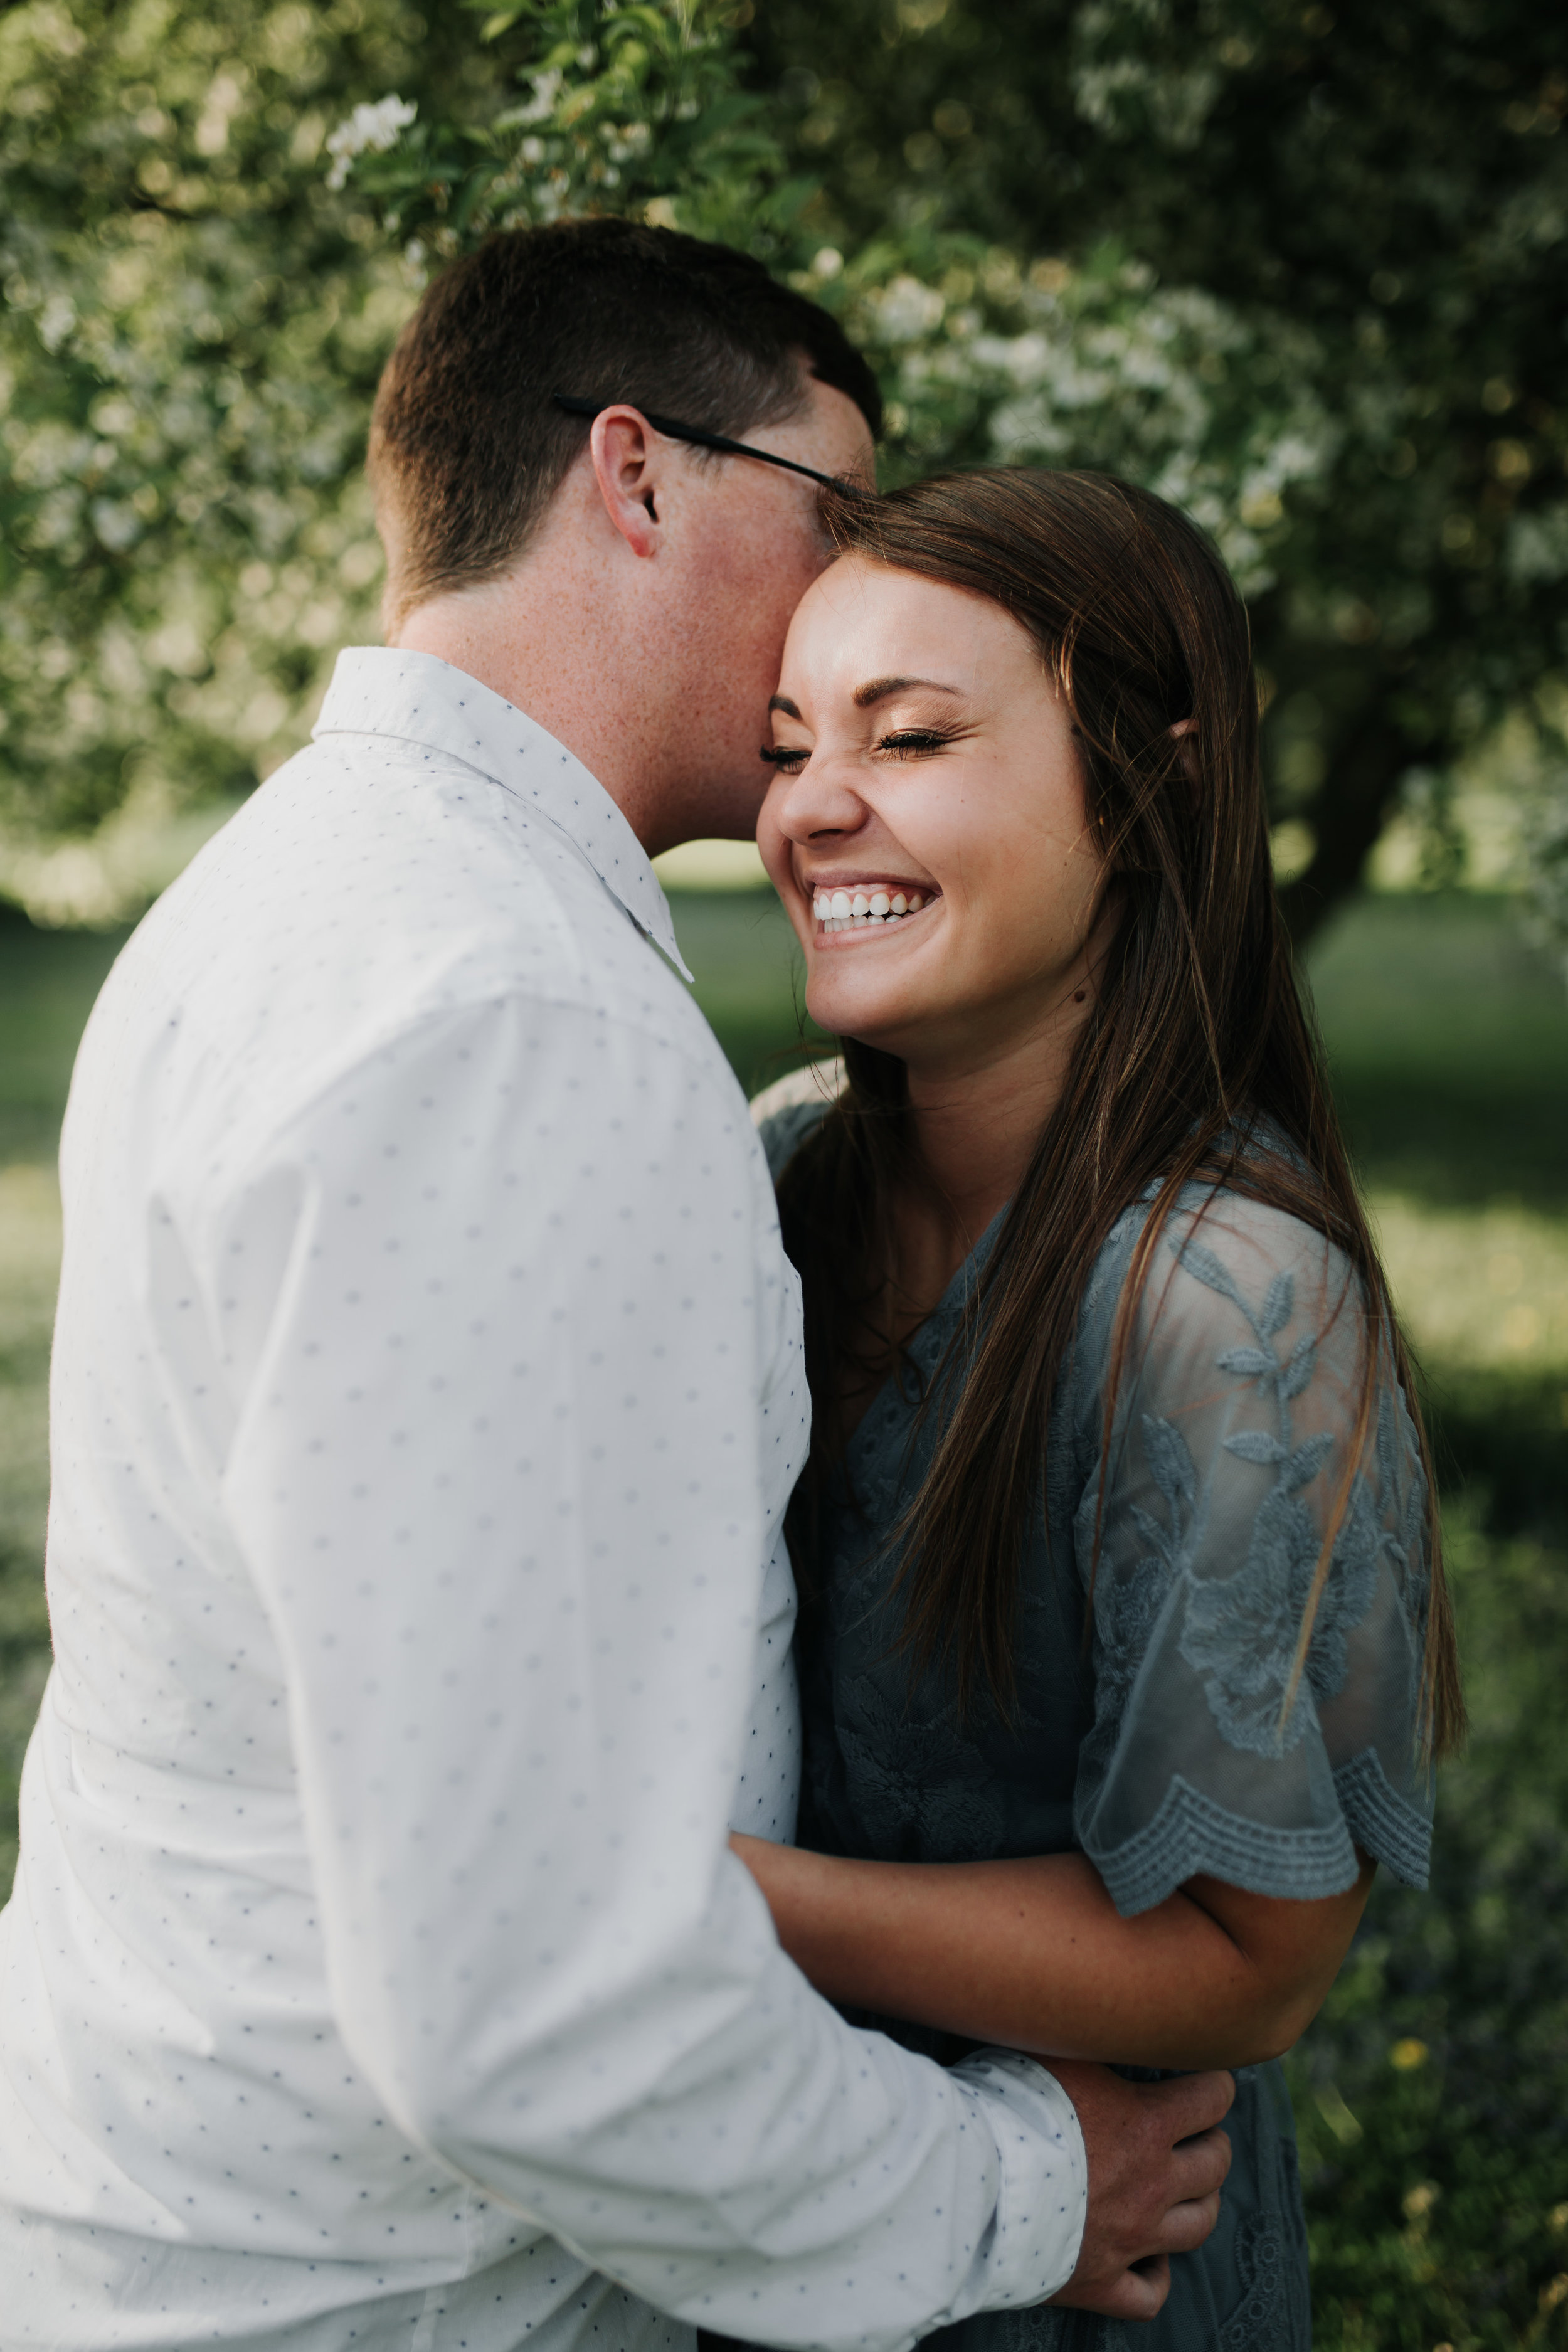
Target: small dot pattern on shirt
[{"x": 427, "y": 1392}]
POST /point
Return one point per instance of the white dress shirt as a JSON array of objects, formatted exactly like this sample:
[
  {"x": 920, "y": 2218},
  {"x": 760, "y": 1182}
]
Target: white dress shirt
[{"x": 427, "y": 1390}]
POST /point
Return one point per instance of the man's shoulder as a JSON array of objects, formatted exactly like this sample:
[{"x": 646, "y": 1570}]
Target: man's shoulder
[
  {"x": 370, "y": 887},
  {"x": 409, "y": 879}
]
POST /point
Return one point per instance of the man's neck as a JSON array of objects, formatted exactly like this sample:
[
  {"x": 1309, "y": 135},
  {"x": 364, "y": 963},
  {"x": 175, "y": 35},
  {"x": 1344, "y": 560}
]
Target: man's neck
[{"x": 539, "y": 641}]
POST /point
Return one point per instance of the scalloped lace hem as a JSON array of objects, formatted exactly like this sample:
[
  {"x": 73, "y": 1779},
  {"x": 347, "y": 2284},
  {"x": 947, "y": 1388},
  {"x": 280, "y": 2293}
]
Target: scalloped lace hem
[
  {"x": 1380, "y": 1821},
  {"x": 1191, "y": 1835}
]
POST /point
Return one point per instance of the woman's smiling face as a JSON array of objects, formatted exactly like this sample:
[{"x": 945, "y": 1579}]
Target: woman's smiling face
[{"x": 926, "y": 828}]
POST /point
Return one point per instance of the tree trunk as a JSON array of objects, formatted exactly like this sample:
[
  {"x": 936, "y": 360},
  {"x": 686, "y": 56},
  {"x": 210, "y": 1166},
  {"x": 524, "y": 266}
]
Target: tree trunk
[{"x": 1352, "y": 807}]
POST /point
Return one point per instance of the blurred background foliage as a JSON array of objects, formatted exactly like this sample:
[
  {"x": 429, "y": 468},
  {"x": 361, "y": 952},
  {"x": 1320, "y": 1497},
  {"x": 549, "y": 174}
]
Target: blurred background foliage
[
  {"x": 1300, "y": 271},
  {"x": 1299, "y": 268},
  {"x": 1345, "y": 235}
]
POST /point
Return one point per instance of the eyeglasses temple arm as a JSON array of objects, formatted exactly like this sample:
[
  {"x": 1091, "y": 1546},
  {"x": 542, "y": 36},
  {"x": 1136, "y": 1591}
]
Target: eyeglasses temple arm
[{"x": 668, "y": 426}]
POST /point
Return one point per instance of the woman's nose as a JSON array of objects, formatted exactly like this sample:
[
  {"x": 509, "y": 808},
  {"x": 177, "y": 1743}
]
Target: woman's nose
[{"x": 818, "y": 799}]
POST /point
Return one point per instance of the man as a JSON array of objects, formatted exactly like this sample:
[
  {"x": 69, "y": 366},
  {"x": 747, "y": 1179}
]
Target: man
[{"x": 427, "y": 1392}]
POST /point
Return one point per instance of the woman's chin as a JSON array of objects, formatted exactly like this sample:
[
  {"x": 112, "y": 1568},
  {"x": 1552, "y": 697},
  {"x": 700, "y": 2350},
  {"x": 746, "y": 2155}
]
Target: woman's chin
[{"x": 861, "y": 1015}]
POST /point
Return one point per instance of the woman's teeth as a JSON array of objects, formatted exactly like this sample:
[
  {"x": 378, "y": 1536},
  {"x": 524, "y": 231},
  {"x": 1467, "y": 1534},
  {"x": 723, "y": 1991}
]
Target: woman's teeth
[{"x": 846, "y": 910}]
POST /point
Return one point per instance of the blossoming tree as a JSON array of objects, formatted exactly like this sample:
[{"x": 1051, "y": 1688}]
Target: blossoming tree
[{"x": 189, "y": 355}]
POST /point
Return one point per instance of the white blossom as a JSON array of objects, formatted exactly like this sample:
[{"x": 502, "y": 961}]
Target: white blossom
[
  {"x": 1537, "y": 546},
  {"x": 371, "y": 129},
  {"x": 623, "y": 140},
  {"x": 905, "y": 311},
  {"x": 116, "y": 523},
  {"x": 56, "y": 321},
  {"x": 541, "y": 105}
]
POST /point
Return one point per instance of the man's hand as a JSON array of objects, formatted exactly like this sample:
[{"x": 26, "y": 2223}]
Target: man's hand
[{"x": 1157, "y": 2159}]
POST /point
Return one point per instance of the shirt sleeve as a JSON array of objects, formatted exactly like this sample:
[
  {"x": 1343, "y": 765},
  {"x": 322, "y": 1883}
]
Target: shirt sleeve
[
  {"x": 1199, "y": 1545},
  {"x": 496, "y": 1315}
]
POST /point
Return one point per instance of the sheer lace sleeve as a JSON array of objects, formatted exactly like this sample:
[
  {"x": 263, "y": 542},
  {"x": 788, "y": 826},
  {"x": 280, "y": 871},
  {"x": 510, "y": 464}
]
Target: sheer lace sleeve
[{"x": 1228, "y": 1454}]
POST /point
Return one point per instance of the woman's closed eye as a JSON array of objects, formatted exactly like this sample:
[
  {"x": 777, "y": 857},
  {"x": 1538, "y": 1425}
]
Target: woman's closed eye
[
  {"x": 907, "y": 743},
  {"x": 914, "y": 742}
]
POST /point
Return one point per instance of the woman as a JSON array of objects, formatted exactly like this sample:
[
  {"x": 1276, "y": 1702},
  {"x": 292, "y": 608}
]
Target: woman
[{"x": 1126, "y": 1651}]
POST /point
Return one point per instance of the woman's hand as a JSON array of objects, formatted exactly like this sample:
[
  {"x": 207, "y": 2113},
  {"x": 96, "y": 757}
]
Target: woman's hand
[{"x": 1035, "y": 1954}]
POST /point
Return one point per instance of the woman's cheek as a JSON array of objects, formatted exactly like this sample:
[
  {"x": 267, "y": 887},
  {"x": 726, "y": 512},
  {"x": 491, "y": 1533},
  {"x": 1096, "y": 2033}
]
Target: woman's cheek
[{"x": 772, "y": 847}]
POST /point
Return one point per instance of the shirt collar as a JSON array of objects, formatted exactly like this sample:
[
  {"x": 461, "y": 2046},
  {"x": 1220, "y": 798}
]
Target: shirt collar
[{"x": 380, "y": 690}]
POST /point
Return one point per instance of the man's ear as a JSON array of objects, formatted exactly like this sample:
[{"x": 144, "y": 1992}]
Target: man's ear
[{"x": 627, "y": 459}]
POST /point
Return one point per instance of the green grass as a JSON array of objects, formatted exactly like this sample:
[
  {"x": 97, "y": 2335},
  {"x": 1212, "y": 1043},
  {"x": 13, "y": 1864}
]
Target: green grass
[
  {"x": 48, "y": 983},
  {"x": 1431, "y": 2095},
  {"x": 1447, "y": 1038}
]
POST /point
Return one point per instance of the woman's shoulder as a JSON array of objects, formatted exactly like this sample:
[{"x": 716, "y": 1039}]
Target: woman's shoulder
[
  {"x": 1224, "y": 1252},
  {"x": 1228, "y": 1276},
  {"x": 1255, "y": 1254},
  {"x": 786, "y": 1113}
]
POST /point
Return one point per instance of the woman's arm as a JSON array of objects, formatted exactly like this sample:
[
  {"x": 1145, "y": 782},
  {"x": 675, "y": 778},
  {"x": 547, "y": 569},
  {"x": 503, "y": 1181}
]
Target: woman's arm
[{"x": 1035, "y": 1954}]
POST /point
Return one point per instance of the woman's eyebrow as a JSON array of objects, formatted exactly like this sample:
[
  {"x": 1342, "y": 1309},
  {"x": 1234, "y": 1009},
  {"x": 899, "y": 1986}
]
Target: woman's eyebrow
[
  {"x": 881, "y": 687},
  {"x": 782, "y": 702}
]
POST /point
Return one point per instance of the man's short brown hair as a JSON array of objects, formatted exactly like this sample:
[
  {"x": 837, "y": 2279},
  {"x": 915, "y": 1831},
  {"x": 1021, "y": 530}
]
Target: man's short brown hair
[{"x": 467, "y": 447}]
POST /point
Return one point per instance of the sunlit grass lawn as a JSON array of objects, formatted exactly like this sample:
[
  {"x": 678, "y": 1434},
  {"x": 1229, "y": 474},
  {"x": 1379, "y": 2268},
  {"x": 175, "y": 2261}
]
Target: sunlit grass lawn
[{"x": 1432, "y": 2096}]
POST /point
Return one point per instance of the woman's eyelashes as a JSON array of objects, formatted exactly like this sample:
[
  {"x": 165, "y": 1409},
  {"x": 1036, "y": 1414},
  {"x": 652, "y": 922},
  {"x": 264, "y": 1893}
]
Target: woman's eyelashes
[
  {"x": 914, "y": 742},
  {"x": 907, "y": 743}
]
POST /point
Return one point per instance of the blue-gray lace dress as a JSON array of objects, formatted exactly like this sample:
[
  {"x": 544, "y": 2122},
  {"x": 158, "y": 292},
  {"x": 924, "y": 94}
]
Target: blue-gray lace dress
[{"x": 1160, "y": 1748}]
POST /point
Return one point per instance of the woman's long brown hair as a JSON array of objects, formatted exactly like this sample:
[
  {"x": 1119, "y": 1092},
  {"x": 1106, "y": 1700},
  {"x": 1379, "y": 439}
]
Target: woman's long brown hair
[{"x": 1196, "y": 1049}]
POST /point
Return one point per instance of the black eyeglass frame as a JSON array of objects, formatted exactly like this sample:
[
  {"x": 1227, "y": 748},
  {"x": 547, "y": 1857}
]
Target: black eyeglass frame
[{"x": 575, "y": 405}]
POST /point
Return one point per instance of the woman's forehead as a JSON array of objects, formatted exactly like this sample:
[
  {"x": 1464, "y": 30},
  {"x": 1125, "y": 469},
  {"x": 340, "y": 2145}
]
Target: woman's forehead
[{"x": 863, "y": 621}]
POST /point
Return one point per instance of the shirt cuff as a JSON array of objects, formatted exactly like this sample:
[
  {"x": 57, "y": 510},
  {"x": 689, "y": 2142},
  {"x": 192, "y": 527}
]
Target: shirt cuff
[{"x": 1043, "y": 2201}]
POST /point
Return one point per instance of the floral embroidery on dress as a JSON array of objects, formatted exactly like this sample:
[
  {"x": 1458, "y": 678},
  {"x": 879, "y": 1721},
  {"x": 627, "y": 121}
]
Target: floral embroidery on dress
[
  {"x": 918, "y": 1789},
  {"x": 1126, "y": 1608},
  {"x": 1240, "y": 1632},
  {"x": 1403, "y": 1545},
  {"x": 1257, "y": 2323}
]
